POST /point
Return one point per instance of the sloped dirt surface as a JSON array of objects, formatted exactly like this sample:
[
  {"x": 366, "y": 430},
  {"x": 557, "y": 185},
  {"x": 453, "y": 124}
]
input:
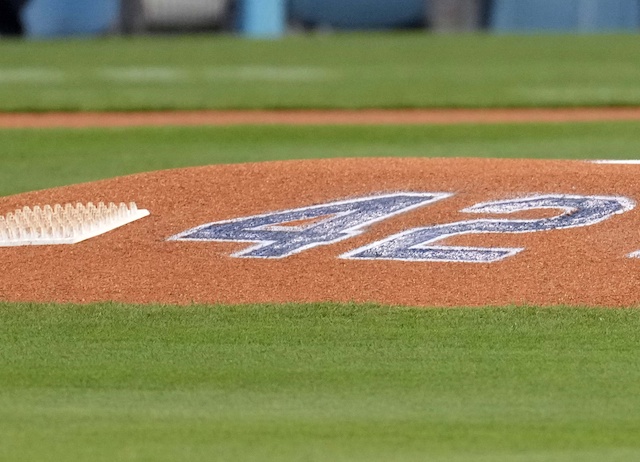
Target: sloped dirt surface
[{"x": 136, "y": 263}]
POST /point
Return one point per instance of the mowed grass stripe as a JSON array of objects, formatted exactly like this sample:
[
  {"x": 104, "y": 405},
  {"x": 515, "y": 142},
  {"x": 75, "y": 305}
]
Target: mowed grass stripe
[
  {"x": 38, "y": 159},
  {"x": 327, "y": 71},
  {"x": 317, "y": 382}
]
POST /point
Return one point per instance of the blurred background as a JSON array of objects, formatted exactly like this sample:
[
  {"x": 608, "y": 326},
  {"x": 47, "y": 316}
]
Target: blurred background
[{"x": 45, "y": 19}]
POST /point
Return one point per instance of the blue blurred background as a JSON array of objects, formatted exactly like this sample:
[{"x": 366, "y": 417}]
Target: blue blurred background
[{"x": 42, "y": 19}]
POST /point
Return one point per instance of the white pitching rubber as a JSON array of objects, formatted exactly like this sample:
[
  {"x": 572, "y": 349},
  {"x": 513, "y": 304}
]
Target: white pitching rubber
[{"x": 64, "y": 224}]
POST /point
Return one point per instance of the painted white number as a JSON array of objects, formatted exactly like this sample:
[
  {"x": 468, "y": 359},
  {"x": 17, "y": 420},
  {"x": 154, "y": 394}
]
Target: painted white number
[
  {"x": 418, "y": 244},
  {"x": 284, "y": 233}
]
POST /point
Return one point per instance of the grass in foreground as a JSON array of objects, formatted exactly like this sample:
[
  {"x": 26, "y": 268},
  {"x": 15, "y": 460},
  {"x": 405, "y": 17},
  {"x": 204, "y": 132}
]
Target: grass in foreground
[
  {"x": 318, "y": 382},
  {"x": 37, "y": 159},
  {"x": 337, "y": 71}
]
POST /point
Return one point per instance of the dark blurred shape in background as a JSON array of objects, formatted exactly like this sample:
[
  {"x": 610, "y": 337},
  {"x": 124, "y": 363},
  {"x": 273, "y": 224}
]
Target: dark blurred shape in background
[
  {"x": 10, "y": 21},
  {"x": 275, "y": 18},
  {"x": 357, "y": 14}
]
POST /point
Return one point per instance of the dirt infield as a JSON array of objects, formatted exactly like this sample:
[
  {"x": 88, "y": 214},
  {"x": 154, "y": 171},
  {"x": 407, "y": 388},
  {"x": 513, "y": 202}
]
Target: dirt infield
[
  {"x": 585, "y": 262},
  {"x": 315, "y": 117}
]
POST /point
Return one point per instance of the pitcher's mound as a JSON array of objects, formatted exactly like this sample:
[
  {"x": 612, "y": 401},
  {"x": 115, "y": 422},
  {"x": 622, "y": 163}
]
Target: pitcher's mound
[{"x": 422, "y": 232}]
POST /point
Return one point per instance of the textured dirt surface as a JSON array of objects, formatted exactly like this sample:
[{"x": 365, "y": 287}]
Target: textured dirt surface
[
  {"x": 136, "y": 263},
  {"x": 316, "y": 117}
]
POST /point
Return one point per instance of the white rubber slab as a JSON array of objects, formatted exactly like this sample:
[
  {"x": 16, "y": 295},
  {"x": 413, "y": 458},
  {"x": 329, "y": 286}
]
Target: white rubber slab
[
  {"x": 621, "y": 161},
  {"x": 66, "y": 224}
]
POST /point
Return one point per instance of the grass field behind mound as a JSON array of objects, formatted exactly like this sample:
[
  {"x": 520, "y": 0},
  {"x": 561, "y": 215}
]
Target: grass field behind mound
[
  {"x": 334, "y": 71},
  {"x": 38, "y": 159}
]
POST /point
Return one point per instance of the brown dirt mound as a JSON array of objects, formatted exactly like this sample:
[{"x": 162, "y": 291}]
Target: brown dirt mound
[{"x": 136, "y": 263}]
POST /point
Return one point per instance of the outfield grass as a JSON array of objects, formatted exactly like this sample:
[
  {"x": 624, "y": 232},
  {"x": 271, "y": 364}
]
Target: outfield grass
[
  {"x": 341, "y": 70},
  {"x": 318, "y": 382},
  {"x": 37, "y": 159}
]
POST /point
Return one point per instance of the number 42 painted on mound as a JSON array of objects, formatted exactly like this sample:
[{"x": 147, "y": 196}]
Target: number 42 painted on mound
[{"x": 288, "y": 232}]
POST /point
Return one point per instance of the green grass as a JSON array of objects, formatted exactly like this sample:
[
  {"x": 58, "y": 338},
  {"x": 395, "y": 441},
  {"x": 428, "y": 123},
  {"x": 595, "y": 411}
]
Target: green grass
[
  {"x": 342, "y": 70},
  {"x": 318, "y": 382},
  {"x": 36, "y": 159}
]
